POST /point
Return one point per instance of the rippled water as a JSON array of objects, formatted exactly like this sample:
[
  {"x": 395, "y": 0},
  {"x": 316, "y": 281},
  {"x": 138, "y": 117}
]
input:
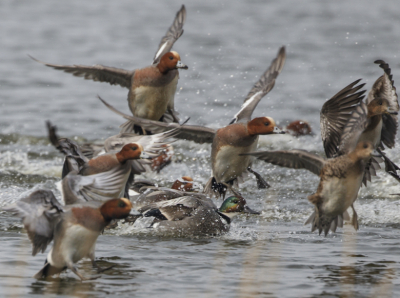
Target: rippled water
[{"x": 227, "y": 45}]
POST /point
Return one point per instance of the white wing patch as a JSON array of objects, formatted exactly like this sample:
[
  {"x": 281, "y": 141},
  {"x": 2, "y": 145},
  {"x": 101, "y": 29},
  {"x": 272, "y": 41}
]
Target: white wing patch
[
  {"x": 247, "y": 103},
  {"x": 160, "y": 50}
]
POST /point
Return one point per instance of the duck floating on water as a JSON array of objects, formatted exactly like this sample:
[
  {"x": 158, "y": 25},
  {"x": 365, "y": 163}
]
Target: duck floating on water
[{"x": 194, "y": 216}]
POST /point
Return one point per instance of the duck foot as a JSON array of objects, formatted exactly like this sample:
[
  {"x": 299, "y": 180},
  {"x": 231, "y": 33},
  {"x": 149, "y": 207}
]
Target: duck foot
[
  {"x": 261, "y": 183},
  {"x": 354, "y": 221}
]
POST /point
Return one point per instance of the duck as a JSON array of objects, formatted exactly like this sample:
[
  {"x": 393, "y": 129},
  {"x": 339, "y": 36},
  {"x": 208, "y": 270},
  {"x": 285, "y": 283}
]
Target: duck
[
  {"x": 184, "y": 183},
  {"x": 340, "y": 180},
  {"x": 299, "y": 128},
  {"x": 152, "y": 88},
  {"x": 100, "y": 178},
  {"x": 162, "y": 151},
  {"x": 193, "y": 216},
  {"x": 144, "y": 192},
  {"x": 239, "y": 136},
  {"x": 380, "y": 126},
  {"x": 73, "y": 229}
]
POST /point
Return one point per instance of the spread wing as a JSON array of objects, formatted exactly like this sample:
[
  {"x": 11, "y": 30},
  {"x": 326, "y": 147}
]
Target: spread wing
[
  {"x": 384, "y": 88},
  {"x": 295, "y": 159},
  {"x": 261, "y": 88},
  {"x": 74, "y": 158},
  {"x": 152, "y": 144},
  {"x": 353, "y": 129},
  {"x": 98, "y": 187},
  {"x": 335, "y": 113},
  {"x": 98, "y": 73},
  {"x": 172, "y": 35},
  {"x": 198, "y": 134},
  {"x": 40, "y": 213}
]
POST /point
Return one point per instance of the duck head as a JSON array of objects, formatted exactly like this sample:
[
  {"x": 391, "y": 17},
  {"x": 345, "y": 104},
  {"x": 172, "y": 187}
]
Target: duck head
[
  {"x": 364, "y": 150},
  {"x": 170, "y": 61},
  {"x": 235, "y": 205},
  {"x": 131, "y": 151},
  {"x": 186, "y": 183},
  {"x": 263, "y": 126},
  {"x": 379, "y": 106},
  {"x": 299, "y": 128},
  {"x": 116, "y": 209}
]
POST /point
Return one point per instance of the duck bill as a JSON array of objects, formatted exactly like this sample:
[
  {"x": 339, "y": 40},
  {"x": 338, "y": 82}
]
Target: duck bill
[
  {"x": 247, "y": 209},
  {"x": 376, "y": 154},
  {"x": 197, "y": 186},
  {"x": 181, "y": 65},
  {"x": 278, "y": 131},
  {"x": 144, "y": 155}
]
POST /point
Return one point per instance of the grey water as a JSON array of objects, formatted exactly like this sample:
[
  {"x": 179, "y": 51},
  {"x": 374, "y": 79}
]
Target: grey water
[{"x": 227, "y": 45}]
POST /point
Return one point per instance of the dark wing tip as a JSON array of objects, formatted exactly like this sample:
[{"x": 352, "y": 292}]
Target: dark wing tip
[{"x": 52, "y": 132}]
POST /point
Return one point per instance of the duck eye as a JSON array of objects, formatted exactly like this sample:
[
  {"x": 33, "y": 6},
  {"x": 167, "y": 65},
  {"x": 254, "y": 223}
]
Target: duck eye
[
  {"x": 134, "y": 148},
  {"x": 121, "y": 204},
  {"x": 365, "y": 146},
  {"x": 171, "y": 57},
  {"x": 266, "y": 123},
  {"x": 380, "y": 102}
]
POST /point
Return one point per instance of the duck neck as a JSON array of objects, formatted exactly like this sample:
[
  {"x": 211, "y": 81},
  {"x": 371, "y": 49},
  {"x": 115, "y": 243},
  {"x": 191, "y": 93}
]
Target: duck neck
[
  {"x": 225, "y": 216},
  {"x": 163, "y": 67},
  {"x": 374, "y": 120},
  {"x": 120, "y": 157}
]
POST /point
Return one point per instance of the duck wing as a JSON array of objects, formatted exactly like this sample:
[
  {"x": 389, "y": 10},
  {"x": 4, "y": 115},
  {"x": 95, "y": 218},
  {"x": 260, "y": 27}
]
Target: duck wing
[
  {"x": 152, "y": 144},
  {"x": 261, "y": 88},
  {"x": 74, "y": 158},
  {"x": 352, "y": 131},
  {"x": 98, "y": 187},
  {"x": 40, "y": 213},
  {"x": 196, "y": 133},
  {"x": 335, "y": 113},
  {"x": 384, "y": 88},
  {"x": 97, "y": 73},
  {"x": 172, "y": 210},
  {"x": 295, "y": 159},
  {"x": 172, "y": 35}
]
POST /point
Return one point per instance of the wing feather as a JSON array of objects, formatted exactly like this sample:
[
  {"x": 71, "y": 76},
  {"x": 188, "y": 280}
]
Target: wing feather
[
  {"x": 198, "y": 134},
  {"x": 335, "y": 113},
  {"x": 40, "y": 212},
  {"x": 97, "y": 73},
  {"x": 172, "y": 35},
  {"x": 261, "y": 88},
  {"x": 295, "y": 159}
]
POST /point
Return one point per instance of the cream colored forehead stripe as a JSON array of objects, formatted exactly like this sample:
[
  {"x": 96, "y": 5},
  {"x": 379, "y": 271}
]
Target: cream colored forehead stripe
[
  {"x": 140, "y": 146},
  {"x": 126, "y": 201},
  {"x": 271, "y": 120},
  {"x": 176, "y": 55}
]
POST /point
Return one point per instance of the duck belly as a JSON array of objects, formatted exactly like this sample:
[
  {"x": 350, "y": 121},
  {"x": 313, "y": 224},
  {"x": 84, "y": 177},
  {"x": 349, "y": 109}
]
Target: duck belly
[
  {"x": 229, "y": 165},
  {"x": 339, "y": 194},
  {"x": 77, "y": 242},
  {"x": 151, "y": 102}
]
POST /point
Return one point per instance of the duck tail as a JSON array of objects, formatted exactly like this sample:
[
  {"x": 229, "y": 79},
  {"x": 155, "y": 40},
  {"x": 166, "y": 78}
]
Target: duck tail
[
  {"x": 48, "y": 270},
  {"x": 324, "y": 222},
  {"x": 213, "y": 188}
]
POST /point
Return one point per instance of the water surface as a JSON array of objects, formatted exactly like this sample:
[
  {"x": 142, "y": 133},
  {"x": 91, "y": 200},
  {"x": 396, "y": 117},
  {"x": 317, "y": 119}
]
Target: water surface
[{"x": 226, "y": 45}]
